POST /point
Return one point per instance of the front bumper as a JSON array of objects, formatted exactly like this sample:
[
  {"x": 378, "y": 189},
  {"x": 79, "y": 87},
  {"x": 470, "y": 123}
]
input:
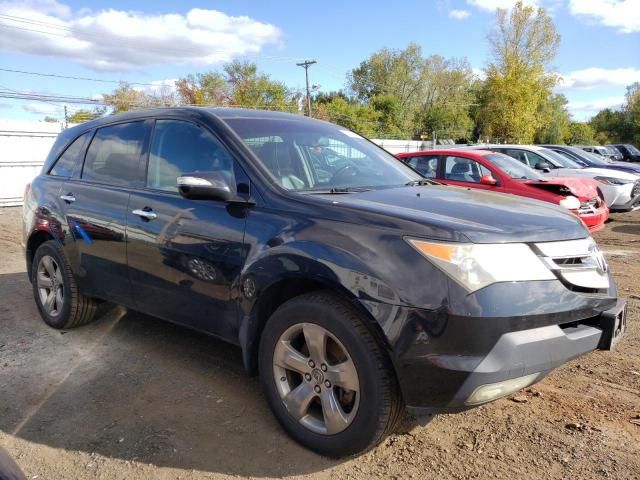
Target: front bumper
[
  {"x": 502, "y": 332},
  {"x": 595, "y": 219}
]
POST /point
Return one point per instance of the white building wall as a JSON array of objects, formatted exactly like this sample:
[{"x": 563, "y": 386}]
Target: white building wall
[{"x": 24, "y": 146}]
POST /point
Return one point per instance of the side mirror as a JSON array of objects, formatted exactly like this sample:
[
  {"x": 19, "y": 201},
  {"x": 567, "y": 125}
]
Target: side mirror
[
  {"x": 488, "y": 180},
  {"x": 205, "y": 186},
  {"x": 544, "y": 166}
]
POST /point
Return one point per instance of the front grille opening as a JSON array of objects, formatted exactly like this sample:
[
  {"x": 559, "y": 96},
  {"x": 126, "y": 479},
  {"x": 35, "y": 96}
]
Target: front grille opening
[{"x": 591, "y": 321}]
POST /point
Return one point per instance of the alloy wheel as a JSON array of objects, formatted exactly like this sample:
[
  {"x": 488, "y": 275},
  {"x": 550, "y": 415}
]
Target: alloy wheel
[
  {"x": 316, "y": 378},
  {"x": 50, "y": 286}
]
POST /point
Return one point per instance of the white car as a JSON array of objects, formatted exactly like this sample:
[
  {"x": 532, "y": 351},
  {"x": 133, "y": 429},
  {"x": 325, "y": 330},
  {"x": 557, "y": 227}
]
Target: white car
[{"x": 621, "y": 190}]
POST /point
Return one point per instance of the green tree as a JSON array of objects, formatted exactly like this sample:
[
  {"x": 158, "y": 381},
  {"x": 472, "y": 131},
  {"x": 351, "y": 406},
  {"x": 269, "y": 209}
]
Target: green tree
[
  {"x": 356, "y": 116},
  {"x": 249, "y": 88},
  {"x": 555, "y": 120},
  {"x": 580, "y": 134},
  {"x": 126, "y": 97},
  {"x": 84, "y": 115},
  {"x": 609, "y": 126},
  {"x": 209, "y": 88},
  {"x": 49, "y": 119},
  {"x": 523, "y": 44},
  {"x": 632, "y": 114}
]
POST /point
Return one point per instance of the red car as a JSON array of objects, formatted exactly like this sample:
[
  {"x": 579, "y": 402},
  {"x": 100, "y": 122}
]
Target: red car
[{"x": 497, "y": 172}]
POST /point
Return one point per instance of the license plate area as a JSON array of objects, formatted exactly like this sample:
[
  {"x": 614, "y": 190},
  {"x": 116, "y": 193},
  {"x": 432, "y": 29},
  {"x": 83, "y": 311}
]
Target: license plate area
[{"x": 613, "y": 323}]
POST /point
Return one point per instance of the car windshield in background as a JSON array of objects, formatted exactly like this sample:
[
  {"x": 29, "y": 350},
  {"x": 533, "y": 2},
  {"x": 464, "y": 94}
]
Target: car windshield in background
[
  {"x": 592, "y": 157},
  {"x": 633, "y": 149},
  {"x": 560, "y": 160},
  {"x": 513, "y": 167},
  {"x": 314, "y": 156}
]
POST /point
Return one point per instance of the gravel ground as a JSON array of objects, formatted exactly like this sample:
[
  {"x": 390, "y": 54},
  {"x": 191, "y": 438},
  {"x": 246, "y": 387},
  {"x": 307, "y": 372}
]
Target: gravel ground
[{"x": 132, "y": 397}]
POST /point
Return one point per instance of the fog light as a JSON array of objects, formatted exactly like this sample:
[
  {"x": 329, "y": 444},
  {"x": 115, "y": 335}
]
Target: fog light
[{"x": 493, "y": 391}]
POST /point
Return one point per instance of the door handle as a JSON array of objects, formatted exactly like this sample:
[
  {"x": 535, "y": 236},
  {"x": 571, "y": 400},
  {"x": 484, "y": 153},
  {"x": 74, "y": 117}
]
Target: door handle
[
  {"x": 69, "y": 198},
  {"x": 145, "y": 213}
]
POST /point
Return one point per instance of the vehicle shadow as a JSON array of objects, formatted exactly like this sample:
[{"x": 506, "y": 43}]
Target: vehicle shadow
[
  {"x": 136, "y": 388},
  {"x": 629, "y": 228}
]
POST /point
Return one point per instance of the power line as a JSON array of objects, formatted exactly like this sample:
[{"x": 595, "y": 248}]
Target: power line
[{"x": 69, "y": 77}]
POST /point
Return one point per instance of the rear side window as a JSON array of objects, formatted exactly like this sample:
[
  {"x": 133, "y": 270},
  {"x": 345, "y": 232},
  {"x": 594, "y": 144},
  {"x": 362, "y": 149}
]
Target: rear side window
[
  {"x": 427, "y": 165},
  {"x": 66, "y": 164},
  {"x": 114, "y": 154},
  {"x": 180, "y": 147}
]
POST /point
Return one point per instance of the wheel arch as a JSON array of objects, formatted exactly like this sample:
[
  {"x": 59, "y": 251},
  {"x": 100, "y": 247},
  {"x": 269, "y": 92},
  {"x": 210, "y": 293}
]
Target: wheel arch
[{"x": 34, "y": 241}]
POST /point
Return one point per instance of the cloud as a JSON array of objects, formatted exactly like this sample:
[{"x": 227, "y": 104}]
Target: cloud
[
  {"x": 479, "y": 73},
  {"x": 119, "y": 40},
  {"x": 492, "y": 5},
  {"x": 595, "y": 105},
  {"x": 623, "y": 15},
  {"x": 41, "y": 108},
  {"x": 599, "y": 77},
  {"x": 459, "y": 14}
]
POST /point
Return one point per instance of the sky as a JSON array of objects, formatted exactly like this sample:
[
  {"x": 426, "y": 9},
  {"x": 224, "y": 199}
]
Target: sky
[{"x": 157, "y": 42}]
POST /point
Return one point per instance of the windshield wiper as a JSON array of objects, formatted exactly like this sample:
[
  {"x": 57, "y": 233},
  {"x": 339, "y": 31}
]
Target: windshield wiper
[{"x": 420, "y": 183}]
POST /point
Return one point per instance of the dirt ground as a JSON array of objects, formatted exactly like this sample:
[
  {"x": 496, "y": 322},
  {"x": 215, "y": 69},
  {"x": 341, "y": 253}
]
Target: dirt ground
[{"x": 131, "y": 397}]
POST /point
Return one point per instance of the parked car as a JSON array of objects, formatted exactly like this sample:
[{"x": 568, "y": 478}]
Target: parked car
[
  {"x": 586, "y": 159},
  {"x": 620, "y": 190},
  {"x": 497, "y": 172},
  {"x": 353, "y": 292},
  {"x": 629, "y": 152},
  {"x": 615, "y": 153},
  {"x": 599, "y": 150}
]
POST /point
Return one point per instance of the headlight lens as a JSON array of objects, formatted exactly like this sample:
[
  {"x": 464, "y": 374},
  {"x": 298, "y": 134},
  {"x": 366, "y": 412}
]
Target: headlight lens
[
  {"x": 572, "y": 203},
  {"x": 475, "y": 265},
  {"x": 612, "y": 181}
]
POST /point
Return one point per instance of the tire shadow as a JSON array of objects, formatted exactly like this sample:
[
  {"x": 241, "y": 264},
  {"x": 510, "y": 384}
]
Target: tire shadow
[{"x": 136, "y": 388}]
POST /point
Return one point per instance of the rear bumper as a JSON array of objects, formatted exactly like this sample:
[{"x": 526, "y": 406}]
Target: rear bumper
[{"x": 442, "y": 356}]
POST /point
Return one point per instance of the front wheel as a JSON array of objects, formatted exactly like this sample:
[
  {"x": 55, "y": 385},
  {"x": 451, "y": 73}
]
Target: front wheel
[{"x": 327, "y": 376}]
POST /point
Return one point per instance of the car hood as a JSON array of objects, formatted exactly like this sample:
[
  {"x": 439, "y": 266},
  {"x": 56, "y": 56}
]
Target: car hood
[
  {"x": 583, "y": 188},
  {"x": 594, "y": 172},
  {"x": 627, "y": 165},
  {"x": 463, "y": 214}
]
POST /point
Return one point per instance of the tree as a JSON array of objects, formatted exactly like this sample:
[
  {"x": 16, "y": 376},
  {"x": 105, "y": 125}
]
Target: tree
[
  {"x": 351, "y": 114},
  {"x": 125, "y": 97},
  {"x": 209, "y": 88},
  {"x": 83, "y": 115},
  {"x": 632, "y": 114},
  {"x": 523, "y": 44},
  {"x": 580, "y": 134},
  {"x": 609, "y": 126},
  {"x": 49, "y": 119},
  {"x": 555, "y": 120}
]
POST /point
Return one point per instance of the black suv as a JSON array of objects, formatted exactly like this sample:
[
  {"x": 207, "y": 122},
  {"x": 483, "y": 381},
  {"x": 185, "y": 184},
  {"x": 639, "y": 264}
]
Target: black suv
[
  {"x": 629, "y": 152},
  {"x": 353, "y": 285}
]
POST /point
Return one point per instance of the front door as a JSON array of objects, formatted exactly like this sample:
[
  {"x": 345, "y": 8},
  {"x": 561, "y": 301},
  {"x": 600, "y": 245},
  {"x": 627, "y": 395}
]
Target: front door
[{"x": 185, "y": 255}]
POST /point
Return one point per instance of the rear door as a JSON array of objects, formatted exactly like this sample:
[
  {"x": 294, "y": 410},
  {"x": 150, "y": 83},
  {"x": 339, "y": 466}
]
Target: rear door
[
  {"x": 95, "y": 208},
  {"x": 426, "y": 165},
  {"x": 185, "y": 256}
]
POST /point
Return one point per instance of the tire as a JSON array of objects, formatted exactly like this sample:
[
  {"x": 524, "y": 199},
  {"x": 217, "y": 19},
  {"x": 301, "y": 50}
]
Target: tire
[
  {"x": 355, "y": 363},
  {"x": 70, "y": 308}
]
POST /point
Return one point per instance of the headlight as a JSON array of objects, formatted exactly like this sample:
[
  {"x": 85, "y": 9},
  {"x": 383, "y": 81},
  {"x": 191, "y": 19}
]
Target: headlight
[
  {"x": 612, "y": 181},
  {"x": 570, "y": 202},
  {"x": 475, "y": 265}
]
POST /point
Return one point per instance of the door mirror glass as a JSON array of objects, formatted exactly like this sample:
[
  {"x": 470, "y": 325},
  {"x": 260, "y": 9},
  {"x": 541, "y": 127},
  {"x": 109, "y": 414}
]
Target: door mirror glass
[
  {"x": 204, "y": 186},
  {"x": 544, "y": 166},
  {"x": 488, "y": 180}
]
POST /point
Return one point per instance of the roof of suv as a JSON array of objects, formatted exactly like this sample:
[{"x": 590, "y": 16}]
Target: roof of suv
[{"x": 220, "y": 112}]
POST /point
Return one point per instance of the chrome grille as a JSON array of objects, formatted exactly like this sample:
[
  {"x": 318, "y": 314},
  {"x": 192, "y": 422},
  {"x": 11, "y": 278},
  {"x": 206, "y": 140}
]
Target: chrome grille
[
  {"x": 579, "y": 264},
  {"x": 590, "y": 206}
]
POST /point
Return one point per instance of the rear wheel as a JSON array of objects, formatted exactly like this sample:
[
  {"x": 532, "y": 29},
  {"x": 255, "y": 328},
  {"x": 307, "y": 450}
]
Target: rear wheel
[
  {"x": 60, "y": 303},
  {"x": 327, "y": 376}
]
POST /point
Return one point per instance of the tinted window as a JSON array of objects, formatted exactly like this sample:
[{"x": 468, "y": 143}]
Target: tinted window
[
  {"x": 427, "y": 165},
  {"x": 464, "y": 170},
  {"x": 67, "y": 162},
  {"x": 114, "y": 153},
  {"x": 179, "y": 147},
  {"x": 304, "y": 155}
]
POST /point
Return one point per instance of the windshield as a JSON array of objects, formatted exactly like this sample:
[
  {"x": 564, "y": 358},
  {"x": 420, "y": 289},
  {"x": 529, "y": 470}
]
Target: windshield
[
  {"x": 513, "y": 167},
  {"x": 559, "y": 160},
  {"x": 592, "y": 157},
  {"x": 308, "y": 156},
  {"x": 633, "y": 149}
]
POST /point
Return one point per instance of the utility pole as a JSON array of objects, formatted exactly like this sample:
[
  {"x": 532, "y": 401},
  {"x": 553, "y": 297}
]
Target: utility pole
[
  {"x": 306, "y": 64},
  {"x": 66, "y": 118}
]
